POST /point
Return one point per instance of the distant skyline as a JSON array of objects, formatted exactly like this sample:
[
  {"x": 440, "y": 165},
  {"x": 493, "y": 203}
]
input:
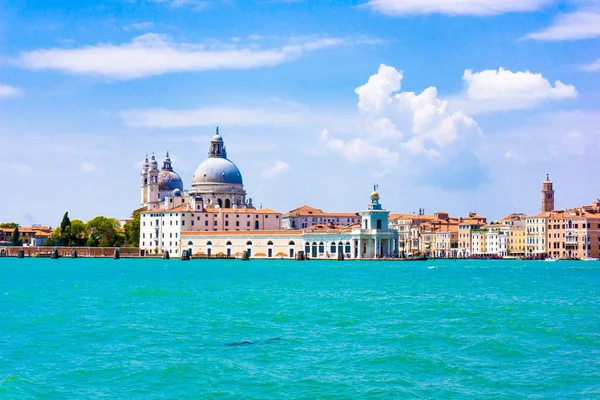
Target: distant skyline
[{"x": 453, "y": 106}]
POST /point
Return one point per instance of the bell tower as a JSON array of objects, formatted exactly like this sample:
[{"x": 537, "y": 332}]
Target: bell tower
[
  {"x": 144, "y": 183},
  {"x": 547, "y": 195},
  {"x": 152, "y": 188}
]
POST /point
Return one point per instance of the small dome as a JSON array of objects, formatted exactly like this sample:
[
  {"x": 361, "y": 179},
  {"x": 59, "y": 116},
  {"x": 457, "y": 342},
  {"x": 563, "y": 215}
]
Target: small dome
[
  {"x": 177, "y": 193},
  {"x": 169, "y": 181},
  {"x": 217, "y": 170},
  {"x": 217, "y": 138}
]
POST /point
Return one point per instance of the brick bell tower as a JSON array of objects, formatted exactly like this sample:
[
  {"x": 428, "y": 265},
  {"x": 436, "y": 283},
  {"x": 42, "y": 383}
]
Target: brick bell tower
[{"x": 547, "y": 195}]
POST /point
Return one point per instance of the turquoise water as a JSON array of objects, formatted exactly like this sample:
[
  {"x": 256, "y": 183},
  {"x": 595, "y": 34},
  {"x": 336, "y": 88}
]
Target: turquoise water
[{"x": 139, "y": 329}]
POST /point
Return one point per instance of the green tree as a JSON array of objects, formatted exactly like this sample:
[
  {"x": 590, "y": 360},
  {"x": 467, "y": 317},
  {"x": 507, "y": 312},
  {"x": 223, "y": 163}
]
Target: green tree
[
  {"x": 103, "y": 232},
  {"x": 132, "y": 230},
  {"x": 64, "y": 228},
  {"x": 8, "y": 225},
  {"x": 75, "y": 233},
  {"x": 16, "y": 237},
  {"x": 65, "y": 221}
]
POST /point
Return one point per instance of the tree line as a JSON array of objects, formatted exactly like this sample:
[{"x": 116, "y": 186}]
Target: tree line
[{"x": 98, "y": 232}]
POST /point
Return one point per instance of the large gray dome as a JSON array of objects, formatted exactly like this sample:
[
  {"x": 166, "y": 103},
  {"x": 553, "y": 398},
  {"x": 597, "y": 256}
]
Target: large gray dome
[
  {"x": 169, "y": 180},
  {"x": 217, "y": 170}
]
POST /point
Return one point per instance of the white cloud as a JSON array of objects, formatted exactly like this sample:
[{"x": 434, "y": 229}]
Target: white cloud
[
  {"x": 88, "y": 167},
  {"x": 359, "y": 149},
  {"x": 592, "y": 67},
  {"x": 415, "y": 129},
  {"x": 454, "y": 7},
  {"x": 272, "y": 114},
  {"x": 154, "y": 54},
  {"x": 275, "y": 169},
  {"x": 573, "y": 26},
  {"x": 140, "y": 26},
  {"x": 10, "y": 91},
  {"x": 196, "y": 5},
  {"x": 501, "y": 90}
]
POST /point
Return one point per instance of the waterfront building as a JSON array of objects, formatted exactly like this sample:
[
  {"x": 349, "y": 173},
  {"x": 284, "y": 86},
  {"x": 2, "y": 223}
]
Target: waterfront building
[
  {"x": 466, "y": 227},
  {"x": 372, "y": 238},
  {"x": 575, "y": 233},
  {"x": 537, "y": 235},
  {"x": 216, "y": 202},
  {"x": 307, "y": 216},
  {"x": 161, "y": 230},
  {"x": 424, "y": 234},
  {"x": 515, "y": 223},
  {"x": 29, "y": 235},
  {"x": 446, "y": 241}
]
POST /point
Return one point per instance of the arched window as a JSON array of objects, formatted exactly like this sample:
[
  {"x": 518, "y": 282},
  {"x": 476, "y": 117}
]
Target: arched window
[
  {"x": 292, "y": 243},
  {"x": 228, "y": 243},
  {"x": 190, "y": 243},
  {"x": 209, "y": 243},
  {"x": 321, "y": 248},
  {"x": 227, "y": 203},
  {"x": 249, "y": 243},
  {"x": 220, "y": 202},
  {"x": 270, "y": 243},
  {"x": 307, "y": 248},
  {"x": 348, "y": 249},
  {"x": 314, "y": 249}
]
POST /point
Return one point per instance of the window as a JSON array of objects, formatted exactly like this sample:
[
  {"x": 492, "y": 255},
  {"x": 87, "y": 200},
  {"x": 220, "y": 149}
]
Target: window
[
  {"x": 333, "y": 247},
  {"x": 321, "y": 248},
  {"x": 226, "y": 223},
  {"x": 237, "y": 223},
  {"x": 215, "y": 223},
  {"x": 205, "y": 223}
]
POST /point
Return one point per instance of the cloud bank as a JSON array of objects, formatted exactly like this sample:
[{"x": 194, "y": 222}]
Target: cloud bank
[
  {"x": 7, "y": 91},
  {"x": 574, "y": 26},
  {"x": 454, "y": 7},
  {"x": 156, "y": 54}
]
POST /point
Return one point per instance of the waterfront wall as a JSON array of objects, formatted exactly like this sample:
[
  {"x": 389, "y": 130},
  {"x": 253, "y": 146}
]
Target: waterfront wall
[{"x": 44, "y": 251}]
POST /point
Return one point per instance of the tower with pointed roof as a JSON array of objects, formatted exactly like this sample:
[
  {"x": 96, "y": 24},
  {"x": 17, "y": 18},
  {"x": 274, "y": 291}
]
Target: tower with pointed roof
[
  {"x": 547, "y": 195},
  {"x": 144, "y": 181}
]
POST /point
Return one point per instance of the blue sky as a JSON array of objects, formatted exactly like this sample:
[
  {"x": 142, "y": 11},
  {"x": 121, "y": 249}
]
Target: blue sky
[{"x": 449, "y": 106}]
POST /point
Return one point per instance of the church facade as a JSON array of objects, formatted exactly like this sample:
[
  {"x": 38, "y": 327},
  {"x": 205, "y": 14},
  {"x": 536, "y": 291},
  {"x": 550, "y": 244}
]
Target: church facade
[{"x": 215, "y": 202}]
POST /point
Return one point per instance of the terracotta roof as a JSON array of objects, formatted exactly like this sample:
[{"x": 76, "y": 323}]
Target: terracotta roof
[
  {"x": 244, "y": 233},
  {"x": 574, "y": 213},
  {"x": 470, "y": 222},
  {"x": 546, "y": 214},
  {"x": 180, "y": 208},
  {"x": 514, "y": 217},
  {"x": 308, "y": 211}
]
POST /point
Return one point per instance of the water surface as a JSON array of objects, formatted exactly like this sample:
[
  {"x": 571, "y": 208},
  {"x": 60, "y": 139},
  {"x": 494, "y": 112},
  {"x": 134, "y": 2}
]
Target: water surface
[{"x": 138, "y": 329}]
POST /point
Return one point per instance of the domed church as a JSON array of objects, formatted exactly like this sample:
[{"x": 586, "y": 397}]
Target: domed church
[{"x": 217, "y": 182}]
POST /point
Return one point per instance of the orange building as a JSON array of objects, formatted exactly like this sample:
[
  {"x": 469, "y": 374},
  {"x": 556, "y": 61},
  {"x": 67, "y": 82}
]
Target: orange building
[{"x": 575, "y": 233}]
